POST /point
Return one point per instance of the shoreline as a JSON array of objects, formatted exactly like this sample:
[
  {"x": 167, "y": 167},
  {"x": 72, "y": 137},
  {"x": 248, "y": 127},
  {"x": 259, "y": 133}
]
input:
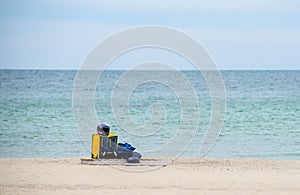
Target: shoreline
[{"x": 183, "y": 175}]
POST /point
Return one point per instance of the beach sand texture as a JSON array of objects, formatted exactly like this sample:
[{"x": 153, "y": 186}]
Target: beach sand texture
[{"x": 184, "y": 175}]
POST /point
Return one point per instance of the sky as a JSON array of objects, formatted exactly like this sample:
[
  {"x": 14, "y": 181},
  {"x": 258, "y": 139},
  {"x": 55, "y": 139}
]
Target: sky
[{"x": 238, "y": 34}]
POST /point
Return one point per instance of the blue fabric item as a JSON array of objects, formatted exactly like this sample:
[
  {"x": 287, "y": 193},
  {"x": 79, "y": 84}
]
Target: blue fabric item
[
  {"x": 124, "y": 149},
  {"x": 127, "y": 146}
]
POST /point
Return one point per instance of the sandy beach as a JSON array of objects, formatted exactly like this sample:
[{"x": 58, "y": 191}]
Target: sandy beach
[{"x": 185, "y": 175}]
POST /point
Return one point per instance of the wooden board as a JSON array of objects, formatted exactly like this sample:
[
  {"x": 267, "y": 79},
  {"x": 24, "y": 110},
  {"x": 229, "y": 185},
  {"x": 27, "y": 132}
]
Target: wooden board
[{"x": 123, "y": 162}]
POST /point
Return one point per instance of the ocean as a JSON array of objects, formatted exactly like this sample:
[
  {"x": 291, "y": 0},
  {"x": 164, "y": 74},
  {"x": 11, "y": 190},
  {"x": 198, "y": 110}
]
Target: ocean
[{"x": 261, "y": 117}]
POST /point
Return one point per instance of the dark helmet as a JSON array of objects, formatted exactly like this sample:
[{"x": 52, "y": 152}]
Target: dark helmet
[{"x": 104, "y": 128}]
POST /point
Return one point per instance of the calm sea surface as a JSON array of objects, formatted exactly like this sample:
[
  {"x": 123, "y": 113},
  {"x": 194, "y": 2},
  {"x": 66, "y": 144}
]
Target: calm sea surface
[{"x": 262, "y": 114}]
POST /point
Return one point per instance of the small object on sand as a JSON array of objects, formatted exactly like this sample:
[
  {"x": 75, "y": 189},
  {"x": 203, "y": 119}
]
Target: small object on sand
[{"x": 133, "y": 160}]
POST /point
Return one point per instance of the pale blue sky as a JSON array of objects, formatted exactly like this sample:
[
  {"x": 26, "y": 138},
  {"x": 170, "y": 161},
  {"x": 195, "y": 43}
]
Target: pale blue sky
[{"x": 58, "y": 34}]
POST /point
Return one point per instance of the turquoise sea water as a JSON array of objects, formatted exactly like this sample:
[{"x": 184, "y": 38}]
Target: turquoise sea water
[{"x": 262, "y": 114}]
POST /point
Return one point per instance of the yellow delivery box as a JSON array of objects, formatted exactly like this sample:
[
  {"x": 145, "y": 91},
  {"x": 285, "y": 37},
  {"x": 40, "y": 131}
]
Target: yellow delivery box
[{"x": 104, "y": 146}]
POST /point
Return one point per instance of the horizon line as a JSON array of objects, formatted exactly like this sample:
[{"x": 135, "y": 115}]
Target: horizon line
[{"x": 66, "y": 69}]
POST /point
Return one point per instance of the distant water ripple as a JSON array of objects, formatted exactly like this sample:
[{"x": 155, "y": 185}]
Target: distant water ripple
[{"x": 262, "y": 114}]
